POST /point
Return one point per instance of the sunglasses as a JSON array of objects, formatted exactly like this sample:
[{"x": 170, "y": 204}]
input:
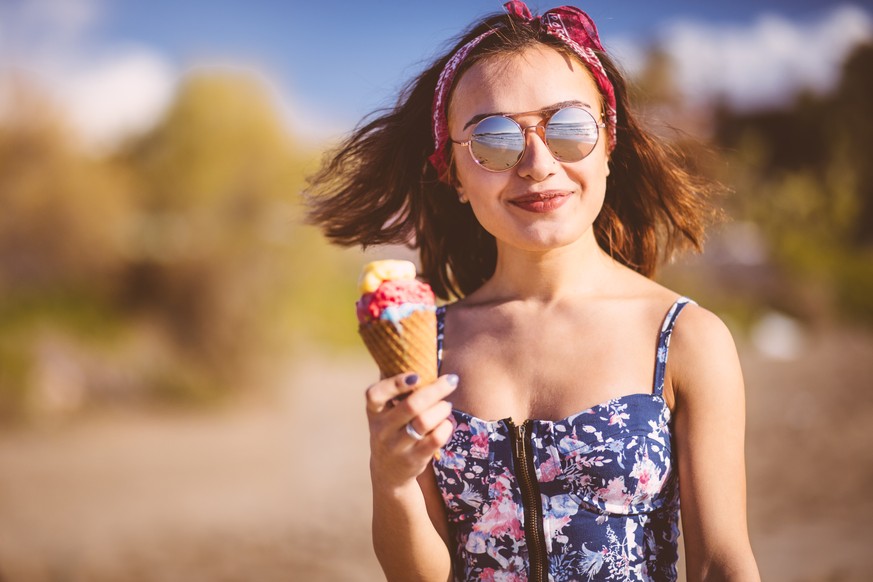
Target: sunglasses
[{"x": 498, "y": 141}]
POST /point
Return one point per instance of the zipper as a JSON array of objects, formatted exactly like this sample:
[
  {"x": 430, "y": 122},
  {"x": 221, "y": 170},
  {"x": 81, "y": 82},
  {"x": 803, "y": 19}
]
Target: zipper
[{"x": 532, "y": 503}]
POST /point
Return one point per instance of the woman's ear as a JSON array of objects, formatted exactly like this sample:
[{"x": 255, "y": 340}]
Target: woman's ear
[
  {"x": 462, "y": 198},
  {"x": 456, "y": 184}
]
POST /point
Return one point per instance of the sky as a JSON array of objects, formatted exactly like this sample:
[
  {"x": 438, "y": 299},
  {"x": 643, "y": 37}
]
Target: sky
[{"x": 112, "y": 66}]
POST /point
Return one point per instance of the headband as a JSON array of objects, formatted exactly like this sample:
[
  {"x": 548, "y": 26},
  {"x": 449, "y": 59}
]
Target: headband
[{"x": 568, "y": 24}]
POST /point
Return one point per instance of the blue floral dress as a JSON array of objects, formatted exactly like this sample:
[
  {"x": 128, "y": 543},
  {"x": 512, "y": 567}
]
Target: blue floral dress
[{"x": 593, "y": 496}]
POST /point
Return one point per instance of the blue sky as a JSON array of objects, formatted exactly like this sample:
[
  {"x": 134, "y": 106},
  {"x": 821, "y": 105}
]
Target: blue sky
[
  {"x": 330, "y": 62},
  {"x": 342, "y": 54}
]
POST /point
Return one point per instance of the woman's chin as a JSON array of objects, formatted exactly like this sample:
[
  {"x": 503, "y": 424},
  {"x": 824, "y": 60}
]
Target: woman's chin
[{"x": 543, "y": 242}]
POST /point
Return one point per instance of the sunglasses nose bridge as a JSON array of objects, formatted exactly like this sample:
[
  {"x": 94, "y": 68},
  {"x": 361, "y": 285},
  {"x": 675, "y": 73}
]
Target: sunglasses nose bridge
[
  {"x": 533, "y": 150},
  {"x": 539, "y": 129}
]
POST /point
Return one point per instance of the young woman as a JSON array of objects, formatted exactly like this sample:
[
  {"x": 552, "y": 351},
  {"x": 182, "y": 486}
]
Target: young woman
[{"x": 539, "y": 205}]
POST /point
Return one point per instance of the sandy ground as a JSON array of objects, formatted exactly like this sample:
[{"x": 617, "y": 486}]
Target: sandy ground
[{"x": 278, "y": 489}]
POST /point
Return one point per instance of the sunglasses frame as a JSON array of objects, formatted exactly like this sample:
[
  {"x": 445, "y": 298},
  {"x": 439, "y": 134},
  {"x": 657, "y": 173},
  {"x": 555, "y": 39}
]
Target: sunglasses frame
[{"x": 540, "y": 128}]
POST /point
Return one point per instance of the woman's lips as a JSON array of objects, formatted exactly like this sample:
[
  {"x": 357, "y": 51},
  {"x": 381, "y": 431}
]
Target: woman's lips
[{"x": 541, "y": 201}]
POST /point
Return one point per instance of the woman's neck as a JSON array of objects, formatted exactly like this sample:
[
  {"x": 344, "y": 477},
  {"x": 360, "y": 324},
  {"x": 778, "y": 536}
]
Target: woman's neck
[{"x": 582, "y": 268}]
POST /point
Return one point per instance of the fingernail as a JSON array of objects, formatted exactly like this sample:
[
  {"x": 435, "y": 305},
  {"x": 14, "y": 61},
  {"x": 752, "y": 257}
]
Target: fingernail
[
  {"x": 452, "y": 379},
  {"x": 411, "y": 380}
]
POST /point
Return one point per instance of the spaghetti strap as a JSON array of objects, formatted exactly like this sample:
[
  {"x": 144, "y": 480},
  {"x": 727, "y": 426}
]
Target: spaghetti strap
[
  {"x": 664, "y": 342},
  {"x": 441, "y": 326}
]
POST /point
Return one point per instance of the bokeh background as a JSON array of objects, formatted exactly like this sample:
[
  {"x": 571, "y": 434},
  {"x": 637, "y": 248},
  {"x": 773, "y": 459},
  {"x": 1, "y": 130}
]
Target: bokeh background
[{"x": 180, "y": 378}]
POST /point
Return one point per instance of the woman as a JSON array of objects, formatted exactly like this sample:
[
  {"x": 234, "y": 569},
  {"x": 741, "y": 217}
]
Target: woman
[{"x": 546, "y": 451}]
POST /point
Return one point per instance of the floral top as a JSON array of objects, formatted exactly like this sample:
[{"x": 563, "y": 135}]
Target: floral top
[{"x": 597, "y": 489}]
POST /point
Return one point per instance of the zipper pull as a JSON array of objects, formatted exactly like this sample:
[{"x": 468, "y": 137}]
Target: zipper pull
[{"x": 520, "y": 448}]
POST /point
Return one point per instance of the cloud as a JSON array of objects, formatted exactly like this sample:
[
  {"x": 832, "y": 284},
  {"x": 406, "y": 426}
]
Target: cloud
[
  {"x": 118, "y": 95},
  {"x": 766, "y": 62},
  {"x": 106, "y": 91}
]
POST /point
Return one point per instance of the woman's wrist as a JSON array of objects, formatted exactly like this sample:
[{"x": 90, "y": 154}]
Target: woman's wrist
[{"x": 387, "y": 486}]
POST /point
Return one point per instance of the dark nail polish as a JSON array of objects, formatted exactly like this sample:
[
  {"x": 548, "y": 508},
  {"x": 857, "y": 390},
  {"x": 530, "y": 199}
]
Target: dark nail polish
[{"x": 411, "y": 380}]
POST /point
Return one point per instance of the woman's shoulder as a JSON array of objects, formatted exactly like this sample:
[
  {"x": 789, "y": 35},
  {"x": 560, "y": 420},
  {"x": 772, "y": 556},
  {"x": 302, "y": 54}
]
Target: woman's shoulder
[
  {"x": 703, "y": 355},
  {"x": 698, "y": 332},
  {"x": 701, "y": 343}
]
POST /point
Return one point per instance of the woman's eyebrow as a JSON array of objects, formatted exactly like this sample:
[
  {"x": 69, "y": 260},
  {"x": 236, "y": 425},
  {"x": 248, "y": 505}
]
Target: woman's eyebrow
[{"x": 477, "y": 118}]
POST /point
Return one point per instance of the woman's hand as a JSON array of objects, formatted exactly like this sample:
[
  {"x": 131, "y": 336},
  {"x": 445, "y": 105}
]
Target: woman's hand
[{"x": 397, "y": 454}]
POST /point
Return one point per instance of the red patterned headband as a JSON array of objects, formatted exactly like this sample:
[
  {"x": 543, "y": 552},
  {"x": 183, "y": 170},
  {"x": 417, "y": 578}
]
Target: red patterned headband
[{"x": 567, "y": 23}]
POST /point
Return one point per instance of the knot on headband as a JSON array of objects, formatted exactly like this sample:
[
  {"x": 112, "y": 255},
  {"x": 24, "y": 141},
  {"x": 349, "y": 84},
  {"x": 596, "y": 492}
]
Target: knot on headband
[
  {"x": 518, "y": 9},
  {"x": 570, "y": 25},
  {"x": 575, "y": 23}
]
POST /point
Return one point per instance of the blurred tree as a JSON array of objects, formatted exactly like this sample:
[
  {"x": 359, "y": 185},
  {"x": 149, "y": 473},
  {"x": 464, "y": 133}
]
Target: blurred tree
[
  {"x": 852, "y": 116},
  {"x": 62, "y": 234},
  {"x": 64, "y": 215},
  {"x": 177, "y": 268},
  {"x": 219, "y": 253},
  {"x": 653, "y": 90},
  {"x": 803, "y": 175},
  {"x": 213, "y": 253}
]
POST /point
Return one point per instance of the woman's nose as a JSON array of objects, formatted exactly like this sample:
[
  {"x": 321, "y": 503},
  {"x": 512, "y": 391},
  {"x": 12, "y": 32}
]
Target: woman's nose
[{"x": 537, "y": 161}]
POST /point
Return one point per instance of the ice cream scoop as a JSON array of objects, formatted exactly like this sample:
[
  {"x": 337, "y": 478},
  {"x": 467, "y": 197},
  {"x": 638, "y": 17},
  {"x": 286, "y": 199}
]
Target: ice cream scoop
[
  {"x": 375, "y": 272},
  {"x": 397, "y": 317}
]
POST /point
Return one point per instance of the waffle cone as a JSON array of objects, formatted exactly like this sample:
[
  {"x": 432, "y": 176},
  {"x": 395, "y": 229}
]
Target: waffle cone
[{"x": 410, "y": 347}]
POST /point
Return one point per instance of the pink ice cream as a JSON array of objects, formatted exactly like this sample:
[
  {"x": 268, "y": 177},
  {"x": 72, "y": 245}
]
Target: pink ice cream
[{"x": 389, "y": 293}]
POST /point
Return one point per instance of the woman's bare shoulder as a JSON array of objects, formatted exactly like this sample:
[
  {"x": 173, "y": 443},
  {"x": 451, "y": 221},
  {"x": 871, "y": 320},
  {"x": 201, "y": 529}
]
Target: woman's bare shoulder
[
  {"x": 703, "y": 354},
  {"x": 699, "y": 331}
]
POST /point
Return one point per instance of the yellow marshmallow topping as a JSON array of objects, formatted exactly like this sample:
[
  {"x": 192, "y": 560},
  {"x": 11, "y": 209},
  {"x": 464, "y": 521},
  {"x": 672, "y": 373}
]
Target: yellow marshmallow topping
[{"x": 375, "y": 272}]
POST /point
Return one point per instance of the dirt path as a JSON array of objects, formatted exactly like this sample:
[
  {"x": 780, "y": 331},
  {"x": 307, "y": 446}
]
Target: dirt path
[
  {"x": 279, "y": 490},
  {"x": 265, "y": 492},
  {"x": 809, "y": 437}
]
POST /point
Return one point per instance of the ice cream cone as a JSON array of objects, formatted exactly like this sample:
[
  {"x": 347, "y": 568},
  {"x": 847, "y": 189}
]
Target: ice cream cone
[{"x": 408, "y": 347}]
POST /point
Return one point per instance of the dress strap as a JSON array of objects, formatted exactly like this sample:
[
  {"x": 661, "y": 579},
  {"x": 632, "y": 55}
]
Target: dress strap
[
  {"x": 664, "y": 342},
  {"x": 441, "y": 327}
]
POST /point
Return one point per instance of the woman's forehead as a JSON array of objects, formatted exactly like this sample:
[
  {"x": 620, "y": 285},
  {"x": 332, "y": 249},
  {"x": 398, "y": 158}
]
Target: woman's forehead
[{"x": 532, "y": 79}]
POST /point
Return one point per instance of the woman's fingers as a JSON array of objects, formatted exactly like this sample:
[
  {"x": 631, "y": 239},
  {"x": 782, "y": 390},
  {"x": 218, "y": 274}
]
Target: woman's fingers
[
  {"x": 420, "y": 401},
  {"x": 408, "y": 424},
  {"x": 428, "y": 420},
  {"x": 431, "y": 442},
  {"x": 400, "y": 411},
  {"x": 391, "y": 392},
  {"x": 380, "y": 394}
]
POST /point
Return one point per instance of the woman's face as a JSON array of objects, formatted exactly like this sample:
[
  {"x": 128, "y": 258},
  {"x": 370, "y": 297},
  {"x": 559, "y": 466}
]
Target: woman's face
[{"x": 540, "y": 203}]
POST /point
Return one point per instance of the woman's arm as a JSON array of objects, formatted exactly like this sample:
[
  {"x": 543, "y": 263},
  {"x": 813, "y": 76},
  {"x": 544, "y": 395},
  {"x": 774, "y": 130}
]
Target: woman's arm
[
  {"x": 705, "y": 374},
  {"x": 409, "y": 527}
]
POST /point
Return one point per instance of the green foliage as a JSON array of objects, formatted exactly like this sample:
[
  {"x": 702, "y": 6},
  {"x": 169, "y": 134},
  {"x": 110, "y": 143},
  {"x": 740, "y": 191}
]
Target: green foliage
[
  {"x": 802, "y": 174},
  {"x": 15, "y": 370},
  {"x": 172, "y": 271},
  {"x": 64, "y": 214}
]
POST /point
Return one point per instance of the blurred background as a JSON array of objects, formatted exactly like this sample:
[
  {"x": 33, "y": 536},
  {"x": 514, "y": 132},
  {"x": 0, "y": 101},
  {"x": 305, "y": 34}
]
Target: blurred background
[{"x": 180, "y": 378}]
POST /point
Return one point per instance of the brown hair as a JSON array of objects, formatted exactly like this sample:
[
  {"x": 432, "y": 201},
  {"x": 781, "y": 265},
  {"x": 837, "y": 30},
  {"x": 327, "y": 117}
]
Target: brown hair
[{"x": 377, "y": 187}]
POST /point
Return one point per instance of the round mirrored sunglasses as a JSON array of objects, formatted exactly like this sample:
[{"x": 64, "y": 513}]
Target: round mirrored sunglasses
[{"x": 498, "y": 141}]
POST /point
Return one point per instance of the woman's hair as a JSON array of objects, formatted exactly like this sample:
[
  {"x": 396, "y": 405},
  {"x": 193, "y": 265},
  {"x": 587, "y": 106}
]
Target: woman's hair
[{"x": 377, "y": 187}]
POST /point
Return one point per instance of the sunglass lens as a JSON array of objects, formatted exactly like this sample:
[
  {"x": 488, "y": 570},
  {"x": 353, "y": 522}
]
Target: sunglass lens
[
  {"x": 572, "y": 134},
  {"x": 497, "y": 143}
]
